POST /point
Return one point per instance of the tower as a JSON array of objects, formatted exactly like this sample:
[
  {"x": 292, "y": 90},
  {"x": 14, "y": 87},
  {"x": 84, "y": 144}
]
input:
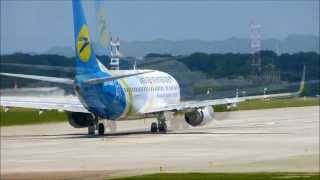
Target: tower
[
  {"x": 115, "y": 54},
  {"x": 255, "y": 45}
]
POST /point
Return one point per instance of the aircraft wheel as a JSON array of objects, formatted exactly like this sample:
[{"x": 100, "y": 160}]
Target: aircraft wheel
[
  {"x": 101, "y": 129},
  {"x": 162, "y": 127},
  {"x": 154, "y": 127}
]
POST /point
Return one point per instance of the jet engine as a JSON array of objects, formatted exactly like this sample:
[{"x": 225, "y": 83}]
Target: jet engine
[
  {"x": 80, "y": 120},
  {"x": 199, "y": 117}
]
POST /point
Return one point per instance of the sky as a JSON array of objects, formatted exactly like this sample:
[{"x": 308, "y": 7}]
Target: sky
[{"x": 36, "y": 26}]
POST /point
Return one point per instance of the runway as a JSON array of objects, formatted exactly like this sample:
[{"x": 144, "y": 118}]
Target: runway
[{"x": 273, "y": 140}]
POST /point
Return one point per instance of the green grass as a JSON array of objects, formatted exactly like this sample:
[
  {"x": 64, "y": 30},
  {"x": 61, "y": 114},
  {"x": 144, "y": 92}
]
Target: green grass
[
  {"x": 226, "y": 176},
  {"x": 20, "y": 116},
  {"x": 278, "y": 103},
  {"x": 274, "y": 103}
]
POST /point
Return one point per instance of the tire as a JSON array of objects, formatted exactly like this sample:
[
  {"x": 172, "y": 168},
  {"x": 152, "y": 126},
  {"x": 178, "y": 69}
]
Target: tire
[
  {"x": 101, "y": 129},
  {"x": 154, "y": 127},
  {"x": 162, "y": 127}
]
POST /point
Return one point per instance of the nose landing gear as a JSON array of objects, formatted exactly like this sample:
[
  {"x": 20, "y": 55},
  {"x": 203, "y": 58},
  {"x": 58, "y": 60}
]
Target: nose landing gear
[
  {"x": 154, "y": 127},
  {"x": 161, "y": 126}
]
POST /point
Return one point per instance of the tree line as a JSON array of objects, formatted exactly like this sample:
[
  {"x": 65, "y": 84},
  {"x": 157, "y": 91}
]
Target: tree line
[
  {"x": 212, "y": 65},
  {"x": 233, "y": 65}
]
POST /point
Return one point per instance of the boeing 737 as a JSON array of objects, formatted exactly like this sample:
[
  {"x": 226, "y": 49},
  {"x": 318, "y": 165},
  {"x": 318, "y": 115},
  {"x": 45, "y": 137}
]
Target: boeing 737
[{"x": 103, "y": 94}]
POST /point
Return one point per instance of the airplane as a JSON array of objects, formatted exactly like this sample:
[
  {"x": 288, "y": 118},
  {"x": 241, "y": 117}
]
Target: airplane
[{"x": 103, "y": 94}]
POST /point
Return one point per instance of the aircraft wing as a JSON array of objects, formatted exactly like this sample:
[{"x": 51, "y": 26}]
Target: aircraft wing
[
  {"x": 41, "y": 78},
  {"x": 63, "y": 103},
  {"x": 189, "y": 105}
]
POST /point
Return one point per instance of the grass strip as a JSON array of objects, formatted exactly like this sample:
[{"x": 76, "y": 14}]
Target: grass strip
[
  {"x": 225, "y": 176},
  {"x": 269, "y": 104},
  {"x": 20, "y": 116}
]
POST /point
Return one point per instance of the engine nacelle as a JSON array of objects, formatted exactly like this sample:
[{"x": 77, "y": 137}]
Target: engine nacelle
[
  {"x": 80, "y": 120},
  {"x": 199, "y": 117}
]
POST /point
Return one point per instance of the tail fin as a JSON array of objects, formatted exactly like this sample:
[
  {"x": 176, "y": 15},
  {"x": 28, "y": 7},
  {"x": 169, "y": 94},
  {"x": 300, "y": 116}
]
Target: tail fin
[{"x": 85, "y": 57}]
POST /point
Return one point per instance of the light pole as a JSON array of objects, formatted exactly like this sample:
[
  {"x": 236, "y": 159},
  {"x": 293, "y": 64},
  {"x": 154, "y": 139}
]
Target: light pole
[{"x": 265, "y": 93}]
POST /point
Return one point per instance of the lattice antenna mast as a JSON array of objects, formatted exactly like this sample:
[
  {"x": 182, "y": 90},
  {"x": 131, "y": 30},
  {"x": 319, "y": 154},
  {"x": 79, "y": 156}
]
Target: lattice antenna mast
[
  {"x": 115, "y": 54},
  {"x": 255, "y": 44}
]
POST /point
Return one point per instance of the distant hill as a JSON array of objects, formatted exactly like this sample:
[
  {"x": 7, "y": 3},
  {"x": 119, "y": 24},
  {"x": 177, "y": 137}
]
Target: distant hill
[
  {"x": 62, "y": 51},
  {"x": 291, "y": 44}
]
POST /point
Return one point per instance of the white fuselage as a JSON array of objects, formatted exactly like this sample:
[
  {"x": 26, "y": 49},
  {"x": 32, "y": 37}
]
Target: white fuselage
[{"x": 148, "y": 91}]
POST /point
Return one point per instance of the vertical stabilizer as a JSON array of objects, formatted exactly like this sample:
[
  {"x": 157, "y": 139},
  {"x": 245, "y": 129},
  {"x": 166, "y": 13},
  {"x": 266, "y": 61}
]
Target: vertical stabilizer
[{"x": 86, "y": 62}]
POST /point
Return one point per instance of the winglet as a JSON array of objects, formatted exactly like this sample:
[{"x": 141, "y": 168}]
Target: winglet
[{"x": 301, "y": 88}]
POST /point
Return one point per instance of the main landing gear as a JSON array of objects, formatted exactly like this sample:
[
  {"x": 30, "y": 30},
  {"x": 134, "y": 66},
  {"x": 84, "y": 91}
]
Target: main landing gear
[
  {"x": 97, "y": 126},
  {"x": 161, "y": 126}
]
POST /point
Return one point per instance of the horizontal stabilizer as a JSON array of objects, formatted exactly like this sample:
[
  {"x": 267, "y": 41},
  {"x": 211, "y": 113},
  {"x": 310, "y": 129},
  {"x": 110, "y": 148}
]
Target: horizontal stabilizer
[
  {"x": 41, "y": 78},
  {"x": 112, "y": 78}
]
